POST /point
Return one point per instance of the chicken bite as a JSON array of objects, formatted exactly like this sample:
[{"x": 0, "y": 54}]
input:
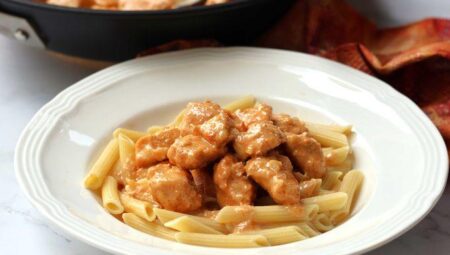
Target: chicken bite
[
  {"x": 310, "y": 188},
  {"x": 306, "y": 153},
  {"x": 275, "y": 175},
  {"x": 131, "y": 5},
  {"x": 197, "y": 113},
  {"x": 257, "y": 113},
  {"x": 67, "y": 3},
  {"x": 170, "y": 186},
  {"x": 211, "y": 2},
  {"x": 152, "y": 149},
  {"x": 204, "y": 184},
  {"x": 219, "y": 129},
  {"x": 232, "y": 184},
  {"x": 192, "y": 152},
  {"x": 260, "y": 138},
  {"x": 289, "y": 124}
]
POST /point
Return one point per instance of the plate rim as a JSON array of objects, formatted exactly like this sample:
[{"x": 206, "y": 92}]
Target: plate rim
[{"x": 432, "y": 131}]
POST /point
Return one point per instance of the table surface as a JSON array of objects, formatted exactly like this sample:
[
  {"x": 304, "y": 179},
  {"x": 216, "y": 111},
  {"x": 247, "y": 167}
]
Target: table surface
[{"x": 28, "y": 79}]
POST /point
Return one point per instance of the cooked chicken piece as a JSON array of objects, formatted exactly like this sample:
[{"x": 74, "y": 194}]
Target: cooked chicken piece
[
  {"x": 67, "y": 3},
  {"x": 306, "y": 153},
  {"x": 170, "y": 186},
  {"x": 289, "y": 124},
  {"x": 260, "y": 138},
  {"x": 152, "y": 149},
  {"x": 310, "y": 188},
  {"x": 192, "y": 152},
  {"x": 219, "y": 129},
  {"x": 104, "y": 7},
  {"x": 211, "y": 2},
  {"x": 138, "y": 186},
  {"x": 274, "y": 174},
  {"x": 131, "y": 5},
  {"x": 104, "y": 4},
  {"x": 232, "y": 184},
  {"x": 204, "y": 184},
  {"x": 197, "y": 113},
  {"x": 257, "y": 113}
]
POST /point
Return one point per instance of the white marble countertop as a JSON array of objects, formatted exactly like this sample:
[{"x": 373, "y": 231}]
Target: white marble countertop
[{"x": 28, "y": 79}]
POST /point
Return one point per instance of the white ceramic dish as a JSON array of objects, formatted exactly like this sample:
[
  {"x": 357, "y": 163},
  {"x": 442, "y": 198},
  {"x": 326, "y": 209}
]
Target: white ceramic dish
[{"x": 399, "y": 150}]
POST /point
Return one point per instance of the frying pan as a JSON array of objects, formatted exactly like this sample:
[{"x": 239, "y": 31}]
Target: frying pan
[{"x": 119, "y": 35}]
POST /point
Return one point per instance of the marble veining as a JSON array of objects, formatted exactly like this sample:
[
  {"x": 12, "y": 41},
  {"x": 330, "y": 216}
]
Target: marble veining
[{"x": 28, "y": 79}]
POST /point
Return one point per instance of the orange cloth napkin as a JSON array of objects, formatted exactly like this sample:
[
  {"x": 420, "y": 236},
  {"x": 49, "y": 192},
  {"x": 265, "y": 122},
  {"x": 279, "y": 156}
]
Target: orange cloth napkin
[{"x": 414, "y": 59}]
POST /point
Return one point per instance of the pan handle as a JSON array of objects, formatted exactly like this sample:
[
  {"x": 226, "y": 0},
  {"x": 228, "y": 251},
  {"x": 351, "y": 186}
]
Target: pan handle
[{"x": 19, "y": 29}]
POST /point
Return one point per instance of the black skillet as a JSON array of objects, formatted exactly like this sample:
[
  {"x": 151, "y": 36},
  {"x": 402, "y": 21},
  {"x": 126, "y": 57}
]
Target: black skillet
[{"x": 120, "y": 35}]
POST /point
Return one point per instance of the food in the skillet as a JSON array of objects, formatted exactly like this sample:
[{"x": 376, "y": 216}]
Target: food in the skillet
[
  {"x": 232, "y": 176},
  {"x": 132, "y": 5}
]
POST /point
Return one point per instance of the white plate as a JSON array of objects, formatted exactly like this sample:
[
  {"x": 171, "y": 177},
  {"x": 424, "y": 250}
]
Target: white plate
[{"x": 401, "y": 153}]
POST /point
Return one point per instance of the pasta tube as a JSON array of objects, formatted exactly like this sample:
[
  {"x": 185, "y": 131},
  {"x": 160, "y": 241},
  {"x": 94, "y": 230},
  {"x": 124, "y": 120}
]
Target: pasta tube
[
  {"x": 322, "y": 222},
  {"x": 151, "y": 228},
  {"x": 126, "y": 152},
  {"x": 344, "y": 129},
  {"x": 132, "y": 134},
  {"x": 331, "y": 179},
  {"x": 138, "y": 207},
  {"x": 110, "y": 196},
  {"x": 102, "y": 166},
  {"x": 166, "y": 215},
  {"x": 226, "y": 241},
  {"x": 176, "y": 122},
  {"x": 350, "y": 184},
  {"x": 337, "y": 156},
  {"x": 304, "y": 228},
  {"x": 241, "y": 104},
  {"x": 265, "y": 214},
  {"x": 280, "y": 235},
  {"x": 154, "y": 129},
  {"x": 189, "y": 224},
  {"x": 345, "y": 166},
  {"x": 328, "y": 202},
  {"x": 328, "y": 138}
]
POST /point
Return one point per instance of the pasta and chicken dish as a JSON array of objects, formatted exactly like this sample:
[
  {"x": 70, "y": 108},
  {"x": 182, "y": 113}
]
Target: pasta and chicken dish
[
  {"x": 232, "y": 176},
  {"x": 132, "y": 5}
]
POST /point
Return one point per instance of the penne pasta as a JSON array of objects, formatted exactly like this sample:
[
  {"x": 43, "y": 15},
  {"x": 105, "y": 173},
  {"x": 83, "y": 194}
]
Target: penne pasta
[
  {"x": 152, "y": 228},
  {"x": 190, "y": 224},
  {"x": 327, "y": 151},
  {"x": 225, "y": 241},
  {"x": 350, "y": 185},
  {"x": 241, "y": 104},
  {"x": 337, "y": 156},
  {"x": 331, "y": 179},
  {"x": 102, "y": 166},
  {"x": 138, "y": 207},
  {"x": 176, "y": 122},
  {"x": 322, "y": 222},
  {"x": 327, "y": 202},
  {"x": 132, "y": 134},
  {"x": 280, "y": 235},
  {"x": 343, "y": 167},
  {"x": 154, "y": 129},
  {"x": 126, "y": 152},
  {"x": 344, "y": 129},
  {"x": 328, "y": 138},
  {"x": 110, "y": 196},
  {"x": 266, "y": 214},
  {"x": 166, "y": 215},
  {"x": 304, "y": 228}
]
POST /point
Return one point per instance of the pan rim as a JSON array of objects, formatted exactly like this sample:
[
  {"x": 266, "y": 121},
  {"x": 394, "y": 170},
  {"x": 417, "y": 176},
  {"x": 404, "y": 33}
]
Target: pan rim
[{"x": 235, "y": 4}]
